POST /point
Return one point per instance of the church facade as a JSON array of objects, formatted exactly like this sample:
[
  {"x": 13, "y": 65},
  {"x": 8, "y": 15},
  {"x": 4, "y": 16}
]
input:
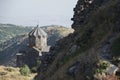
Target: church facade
[{"x": 38, "y": 38}]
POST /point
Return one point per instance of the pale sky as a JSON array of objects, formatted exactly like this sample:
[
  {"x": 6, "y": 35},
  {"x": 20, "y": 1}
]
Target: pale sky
[{"x": 31, "y": 12}]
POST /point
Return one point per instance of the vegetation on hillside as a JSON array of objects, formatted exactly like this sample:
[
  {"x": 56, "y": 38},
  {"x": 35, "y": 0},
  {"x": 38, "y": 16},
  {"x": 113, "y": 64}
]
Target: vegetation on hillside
[
  {"x": 8, "y": 31},
  {"x": 25, "y": 70},
  {"x": 10, "y": 73}
]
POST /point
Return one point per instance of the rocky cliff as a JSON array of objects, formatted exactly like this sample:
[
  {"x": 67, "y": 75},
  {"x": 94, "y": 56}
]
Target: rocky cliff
[{"x": 79, "y": 56}]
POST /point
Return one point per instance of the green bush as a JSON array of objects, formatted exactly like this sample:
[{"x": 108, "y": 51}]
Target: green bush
[
  {"x": 105, "y": 65},
  {"x": 34, "y": 69},
  {"x": 38, "y": 63},
  {"x": 25, "y": 70},
  {"x": 102, "y": 67},
  {"x": 10, "y": 69}
]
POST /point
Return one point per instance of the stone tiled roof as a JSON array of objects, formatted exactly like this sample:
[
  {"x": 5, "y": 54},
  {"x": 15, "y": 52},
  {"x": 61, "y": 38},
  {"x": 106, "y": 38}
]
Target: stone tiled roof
[{"x": 38, "y": 32}]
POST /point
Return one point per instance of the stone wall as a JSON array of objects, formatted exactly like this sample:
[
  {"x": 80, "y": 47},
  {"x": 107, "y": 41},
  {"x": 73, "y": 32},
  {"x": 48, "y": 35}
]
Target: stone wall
[{"x": 31, "y": 41}]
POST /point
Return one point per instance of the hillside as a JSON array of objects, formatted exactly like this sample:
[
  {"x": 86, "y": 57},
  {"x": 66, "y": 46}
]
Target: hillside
[
  {"x": 8, "y": 31},
  {"x": 10, "y": 73},
  {"x": 88, "y": 53},
  {"x": 56, "y": 32},
  {"x": 9, "y": 48}
]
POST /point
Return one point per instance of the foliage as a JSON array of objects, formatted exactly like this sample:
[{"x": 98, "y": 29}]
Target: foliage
[
  {"x": 34, "y": 69},
  {"x": 8, "y": 31},
  {"x": 11, "y": 73},
  {"x": 25, "y": 71},
  {"x": 10, "y": 69},
  {"x": 102, "y": 66},
  {"x": 38, "y": 63}
]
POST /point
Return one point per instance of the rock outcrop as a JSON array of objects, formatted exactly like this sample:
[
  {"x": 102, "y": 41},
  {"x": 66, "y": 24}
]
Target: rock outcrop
[
  {"x": 83, "y": 10},
  {"x": 94, "y": 21}
]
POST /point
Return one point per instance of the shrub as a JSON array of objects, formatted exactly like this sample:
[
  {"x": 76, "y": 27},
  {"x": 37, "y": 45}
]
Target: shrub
[
  {"x": 25, "y": 70},
  {"x": 102, "y": 67},
  {"x": 10, "y": 69},
  {"x": 34, "y": 69},
  {"x": 38, "y": 63},
  {"x": 105, "y": 65}
]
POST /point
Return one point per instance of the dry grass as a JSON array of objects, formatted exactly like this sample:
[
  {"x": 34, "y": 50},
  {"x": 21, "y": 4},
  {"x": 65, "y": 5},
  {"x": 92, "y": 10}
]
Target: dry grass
[
  {"x": 61, "y": 30},
  {"x": 10, "y": 73}
]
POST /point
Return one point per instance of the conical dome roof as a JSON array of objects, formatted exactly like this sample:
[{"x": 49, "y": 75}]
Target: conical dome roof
[{"x": 37, "y": 31}]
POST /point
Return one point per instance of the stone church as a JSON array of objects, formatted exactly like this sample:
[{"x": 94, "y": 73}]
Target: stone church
[
  {"x": 29, "y": 54},
  {"x": 38, "y": 38}
]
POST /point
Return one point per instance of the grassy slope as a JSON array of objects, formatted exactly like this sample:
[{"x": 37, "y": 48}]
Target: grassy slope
[
  {"x": 10, "y": 73},
  {"x": 8, "y": 31}
]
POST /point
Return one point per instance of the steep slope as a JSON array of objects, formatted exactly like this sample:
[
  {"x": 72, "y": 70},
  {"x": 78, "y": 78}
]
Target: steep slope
[
  {"x": 56, "y": 32},
  {"x": 77, "y": 56},
  {"x": 9, "y": 50}
]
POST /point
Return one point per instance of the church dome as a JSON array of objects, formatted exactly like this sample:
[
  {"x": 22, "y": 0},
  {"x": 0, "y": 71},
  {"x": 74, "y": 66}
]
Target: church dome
[{"x": 38, "y": 32}]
